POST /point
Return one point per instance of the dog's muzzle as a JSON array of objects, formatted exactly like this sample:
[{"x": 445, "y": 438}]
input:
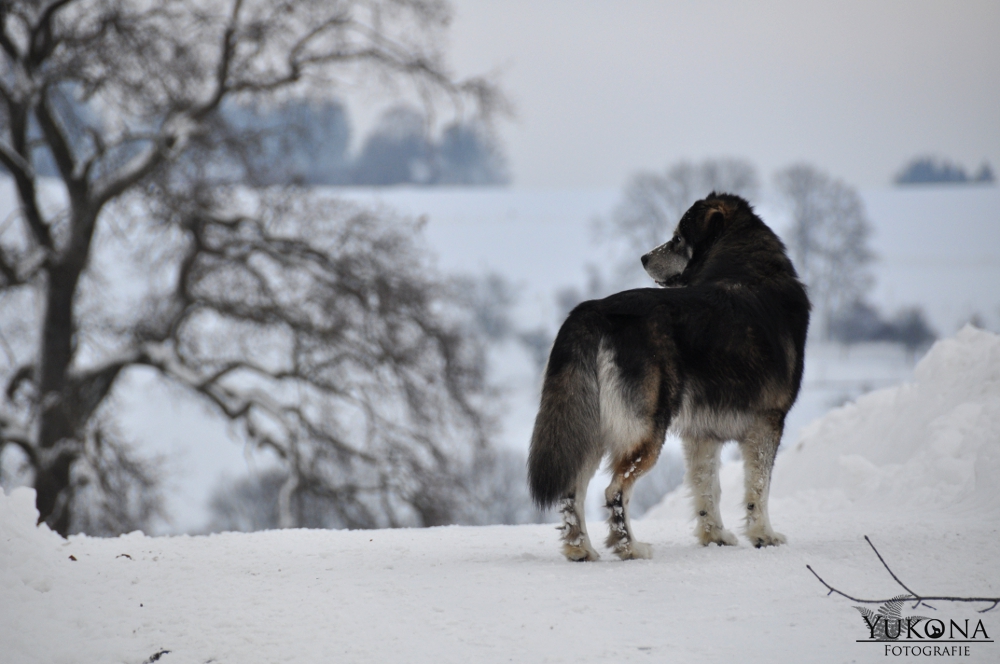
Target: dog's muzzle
[{"x": 666, "y": 263}]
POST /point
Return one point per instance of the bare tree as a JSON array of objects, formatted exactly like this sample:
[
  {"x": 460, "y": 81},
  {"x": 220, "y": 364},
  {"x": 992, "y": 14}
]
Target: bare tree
[
  {"x": 653, "y": 203},
  {"x": 313, "y": 326},
  {"x": 247, "y": 504},
  {"x": 499, "y": 495},
  {"x": 828, "y": 239},
  {"x": 115, "y": 490}
]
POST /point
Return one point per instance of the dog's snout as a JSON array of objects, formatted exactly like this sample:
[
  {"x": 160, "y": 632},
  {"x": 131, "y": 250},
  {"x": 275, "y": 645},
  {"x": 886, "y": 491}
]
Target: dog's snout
[{"x": 645, "y": 259}]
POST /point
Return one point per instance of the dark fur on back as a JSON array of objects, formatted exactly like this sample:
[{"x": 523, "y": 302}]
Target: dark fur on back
[{"x": 727, "y": 343}]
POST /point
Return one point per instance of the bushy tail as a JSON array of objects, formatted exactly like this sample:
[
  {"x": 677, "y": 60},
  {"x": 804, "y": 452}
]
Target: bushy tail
[{"x": 566, "y": 440}]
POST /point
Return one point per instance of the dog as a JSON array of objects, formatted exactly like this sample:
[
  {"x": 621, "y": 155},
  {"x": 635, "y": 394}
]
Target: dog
[{"x": 715, "y": 354}]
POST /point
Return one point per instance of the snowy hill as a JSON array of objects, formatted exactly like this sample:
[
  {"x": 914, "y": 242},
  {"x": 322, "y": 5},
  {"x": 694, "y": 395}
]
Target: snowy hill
[{"x": 912, "y": 466}]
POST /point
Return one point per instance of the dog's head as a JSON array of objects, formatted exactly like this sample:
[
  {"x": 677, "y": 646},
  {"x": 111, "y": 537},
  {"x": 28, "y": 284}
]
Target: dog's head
[{"x": 696, "y": 230}]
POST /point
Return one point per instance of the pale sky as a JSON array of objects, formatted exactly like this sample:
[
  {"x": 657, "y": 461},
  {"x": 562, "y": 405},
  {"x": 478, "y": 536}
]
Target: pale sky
[{"x": 604, "y": 88}]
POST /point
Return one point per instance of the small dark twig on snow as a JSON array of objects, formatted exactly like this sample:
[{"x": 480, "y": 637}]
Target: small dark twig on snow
[{"x": 919, "y": 599}]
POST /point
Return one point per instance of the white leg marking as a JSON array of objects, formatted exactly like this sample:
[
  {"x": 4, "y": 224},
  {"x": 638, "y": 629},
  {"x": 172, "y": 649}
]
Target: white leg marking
[
  {"x": 759, "y": 448},
  {"x": 576, "y": 542},
  {"x": 703, "y": 460}
]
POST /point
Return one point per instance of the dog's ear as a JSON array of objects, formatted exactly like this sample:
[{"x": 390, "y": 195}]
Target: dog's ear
[
  {"x": 710, "y": 225},
  {"x": 715, "y": 222}
]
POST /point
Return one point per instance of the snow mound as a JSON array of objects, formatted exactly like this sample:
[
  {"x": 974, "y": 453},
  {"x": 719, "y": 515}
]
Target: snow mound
[
  {"x": 933, "y": 442},
  {"x": 930, "y": 444},
  {"x": 27, "y": 551}
]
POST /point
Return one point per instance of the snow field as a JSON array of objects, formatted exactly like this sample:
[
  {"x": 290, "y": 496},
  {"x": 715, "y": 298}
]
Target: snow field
[
  {"x": 455, "y": 594},
  {"x": 912, "y": 466}
]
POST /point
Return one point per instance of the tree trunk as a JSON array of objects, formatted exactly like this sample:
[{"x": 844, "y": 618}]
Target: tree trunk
[
  {"x": 56, "y": 424},
  {"x": 52, "y": 492}
]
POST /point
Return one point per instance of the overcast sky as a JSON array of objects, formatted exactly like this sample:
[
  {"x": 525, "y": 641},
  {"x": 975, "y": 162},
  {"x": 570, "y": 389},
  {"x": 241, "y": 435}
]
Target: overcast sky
[{"x": 602, "y": 89}]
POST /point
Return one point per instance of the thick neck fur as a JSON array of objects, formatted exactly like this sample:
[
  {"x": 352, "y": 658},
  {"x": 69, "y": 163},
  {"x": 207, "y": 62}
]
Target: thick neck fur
[{"x": 740, "y": 250}]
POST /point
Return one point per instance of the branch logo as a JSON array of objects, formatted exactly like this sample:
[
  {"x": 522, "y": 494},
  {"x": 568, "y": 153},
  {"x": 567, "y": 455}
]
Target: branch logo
[
  {"x": 913, "y": 635},
  {"x": 891, "y": 628}
]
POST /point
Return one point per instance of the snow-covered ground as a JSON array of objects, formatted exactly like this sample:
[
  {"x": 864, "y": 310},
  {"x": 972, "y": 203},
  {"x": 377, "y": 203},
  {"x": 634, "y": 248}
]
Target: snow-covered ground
[{"x": 913, "y": 466}]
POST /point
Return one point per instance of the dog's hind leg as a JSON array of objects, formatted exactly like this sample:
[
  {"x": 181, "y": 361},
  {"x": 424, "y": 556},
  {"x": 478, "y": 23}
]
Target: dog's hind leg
[
  {"x": 759, "y": 447},
  {"x": 703, "y": 458},
  {"x": 576, "y": 542},
  {"x": 626, "y": 471}
]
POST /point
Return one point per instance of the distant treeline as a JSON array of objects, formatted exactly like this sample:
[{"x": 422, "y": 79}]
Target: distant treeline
[
  {"x": 928, "y": 170},
  {"x": 302, "y": 141},
  {"x": 861, "y": 321},
  {"x": 309, "y": 143}
]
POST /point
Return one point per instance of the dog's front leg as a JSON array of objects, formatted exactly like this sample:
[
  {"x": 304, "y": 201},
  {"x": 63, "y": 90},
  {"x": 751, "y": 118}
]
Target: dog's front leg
[
  {"x": 703, "y": 459},
  {"x": 759, "y": 448}
]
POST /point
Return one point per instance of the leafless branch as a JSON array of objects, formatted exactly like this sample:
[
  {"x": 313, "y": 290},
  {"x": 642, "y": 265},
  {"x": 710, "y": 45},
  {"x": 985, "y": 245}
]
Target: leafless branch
[
  {"x": 918, "y": 599},
  {"x": 24, "y": 180},
  {"x": 14, "y": 162},
  {"x": 42, "y": 41},
  {"x": 5, "y": 42},
  {"x": 22, "y": 441},
  {"x": 9, "y": 271}
]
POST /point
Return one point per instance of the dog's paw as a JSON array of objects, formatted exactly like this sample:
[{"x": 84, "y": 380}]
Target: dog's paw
[
  {"x": 760, "y": 539},
  {"x": 579, "y": 554},
  {"x": 719, "y": 536},
  {"x": 635, "y": 551}
]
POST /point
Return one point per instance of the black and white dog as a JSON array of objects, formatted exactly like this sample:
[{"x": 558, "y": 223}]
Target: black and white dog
[{"x": 717, "y": 358}]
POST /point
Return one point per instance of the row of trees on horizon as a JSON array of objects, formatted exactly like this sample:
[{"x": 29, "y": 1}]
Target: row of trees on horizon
[
  {"x": 934, "y": 170},
  {"x": 308, "y": 142}
]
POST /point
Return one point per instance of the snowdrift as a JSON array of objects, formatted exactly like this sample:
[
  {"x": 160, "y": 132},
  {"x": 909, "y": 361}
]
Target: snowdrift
[
  {"x": 934, "y": 442},
  {"x": 913, "y": 466}
]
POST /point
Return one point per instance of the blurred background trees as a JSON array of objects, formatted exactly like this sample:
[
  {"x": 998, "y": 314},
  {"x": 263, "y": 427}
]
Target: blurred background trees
[
  {"x": 828, "y": 240},
  {"x": 933, "y": 170},
  {"x": 860, "y": 321},
  {"x": 652, "y": 204},
  {"x": 497, "y": 494},
  {"x": 317, "y": 328},
  {"x": 399, "y": 150},
  {"x": 294, "y": 141}
]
